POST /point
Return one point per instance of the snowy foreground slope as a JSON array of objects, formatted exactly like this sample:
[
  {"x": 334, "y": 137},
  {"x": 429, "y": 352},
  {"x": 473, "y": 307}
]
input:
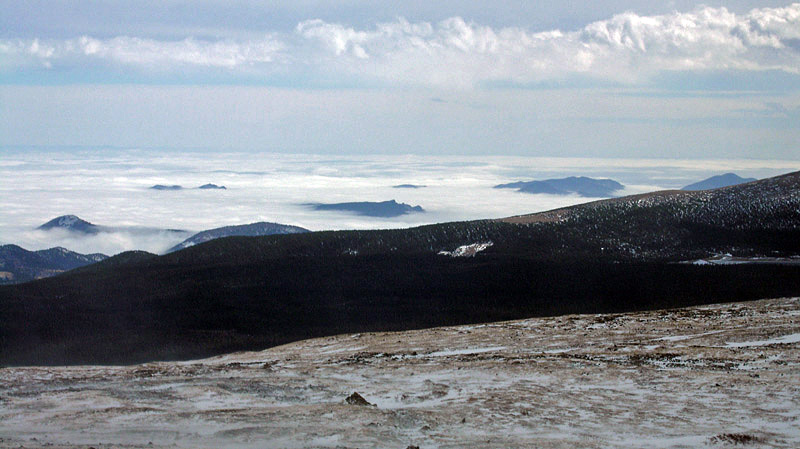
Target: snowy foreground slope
[{"x": 712, "y": 376}]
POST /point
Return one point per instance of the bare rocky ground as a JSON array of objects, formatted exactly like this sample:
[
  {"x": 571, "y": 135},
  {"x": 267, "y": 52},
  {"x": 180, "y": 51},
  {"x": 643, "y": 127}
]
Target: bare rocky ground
[{"x": 712, "y": 376}]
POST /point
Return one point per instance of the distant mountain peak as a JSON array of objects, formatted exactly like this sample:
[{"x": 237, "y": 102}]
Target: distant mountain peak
[
  {"x": 208, "y": 186},
  {"x": 67, "y": 220},
  {"x": 248, "y": 230},
  {"x": 718, "y": 181},
  {"x": 581, "y": 185},
  {"x": 70, "y": 223},
  {"x": 21, "y": 265},
  {"x": 385, "y": 209}
]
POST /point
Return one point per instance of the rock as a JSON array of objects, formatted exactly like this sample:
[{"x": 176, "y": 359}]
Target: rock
[{"x": 357, "y": 399}]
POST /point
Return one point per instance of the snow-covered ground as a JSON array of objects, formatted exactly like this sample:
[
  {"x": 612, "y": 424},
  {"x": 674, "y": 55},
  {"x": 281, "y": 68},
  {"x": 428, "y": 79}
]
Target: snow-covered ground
[{"x": 700, "y": 377}]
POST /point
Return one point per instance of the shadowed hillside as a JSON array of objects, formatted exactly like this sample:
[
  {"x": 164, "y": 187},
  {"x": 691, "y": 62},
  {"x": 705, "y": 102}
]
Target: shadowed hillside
[{"x": 253, "y": 292}]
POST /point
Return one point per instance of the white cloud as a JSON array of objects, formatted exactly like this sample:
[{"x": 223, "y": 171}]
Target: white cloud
[
  {"x": 136, "y": 51},
  {"x": 109, "y": 189},
  {"x": 146, "y": 53},
  {"x": 108, "y": 243},
  {"x": 626, "y": 48}
]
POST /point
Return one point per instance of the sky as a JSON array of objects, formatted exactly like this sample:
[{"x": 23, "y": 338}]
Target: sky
[
  {"x": 299, "y": 102},
  {"x": 613, "y": 79}
]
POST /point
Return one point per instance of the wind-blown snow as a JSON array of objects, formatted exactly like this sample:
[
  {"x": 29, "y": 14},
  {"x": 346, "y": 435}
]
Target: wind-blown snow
[
  {"x": 785, "y": 340},
  {"x": 466, "y": 351},
  {"x": 688, "y": 337}
]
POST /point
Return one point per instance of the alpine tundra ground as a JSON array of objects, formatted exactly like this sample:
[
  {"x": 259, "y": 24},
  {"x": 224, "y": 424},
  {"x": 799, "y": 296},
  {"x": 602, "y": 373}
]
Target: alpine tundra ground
[{"x": 711, "y": 376}]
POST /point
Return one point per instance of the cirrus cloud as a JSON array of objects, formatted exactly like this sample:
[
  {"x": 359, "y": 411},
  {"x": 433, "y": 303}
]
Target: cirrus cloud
[
  {"x": 627, "y": 48},
  {"x": 138, "y": 52}
]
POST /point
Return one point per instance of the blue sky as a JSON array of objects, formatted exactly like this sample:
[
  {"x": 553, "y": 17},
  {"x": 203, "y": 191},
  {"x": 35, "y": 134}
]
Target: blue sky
[{"x": 580, "y": 78}]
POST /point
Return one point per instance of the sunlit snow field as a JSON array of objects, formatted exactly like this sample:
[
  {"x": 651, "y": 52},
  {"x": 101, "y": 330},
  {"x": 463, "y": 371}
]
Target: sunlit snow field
[{"x": 111, "y": 188}]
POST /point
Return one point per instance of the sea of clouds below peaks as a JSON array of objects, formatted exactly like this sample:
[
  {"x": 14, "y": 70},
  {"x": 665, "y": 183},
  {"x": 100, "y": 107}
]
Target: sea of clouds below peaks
[{"x": 112, "y": 189}]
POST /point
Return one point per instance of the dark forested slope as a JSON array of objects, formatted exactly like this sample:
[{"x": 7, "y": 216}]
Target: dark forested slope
[{"x": 252, "y": 292}]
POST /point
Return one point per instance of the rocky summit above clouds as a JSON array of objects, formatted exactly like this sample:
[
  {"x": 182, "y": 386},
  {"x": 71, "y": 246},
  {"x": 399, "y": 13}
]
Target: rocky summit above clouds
[
  {"x": 75, "y": 224},
  {"x": 70, "y": 223},
  {"x": 74, "y": 233},
  {"x": 212, "y": 187},
  {"x": 384, "y": 209},
  {"x": 580, "y": 185},
  {"x": 180, "y": 187}
]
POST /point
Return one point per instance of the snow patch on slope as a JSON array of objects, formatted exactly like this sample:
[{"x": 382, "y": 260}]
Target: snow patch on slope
[
  {"x": 786, "y": 339},
  {"x": 467, "y": 250}
]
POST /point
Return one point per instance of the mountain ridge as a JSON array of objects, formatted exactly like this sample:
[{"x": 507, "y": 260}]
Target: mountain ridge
[
  {"x": 20, "y": 265},
  {"x": 718, "y": 181},
  {"x": 71, "y": 223},
  {"x": 239, "y": 293},
  {"x": 249, "y": 230},
  {"x": 580, "y": 185},
  {"x": 669, "y": 225},
  {"x": 385, "y": 209}
]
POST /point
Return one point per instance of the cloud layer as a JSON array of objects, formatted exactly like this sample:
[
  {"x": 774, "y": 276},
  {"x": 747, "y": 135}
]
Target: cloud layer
[
  {"x": 110, "y": 189},
  {"x": 626, "y": 48}
]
